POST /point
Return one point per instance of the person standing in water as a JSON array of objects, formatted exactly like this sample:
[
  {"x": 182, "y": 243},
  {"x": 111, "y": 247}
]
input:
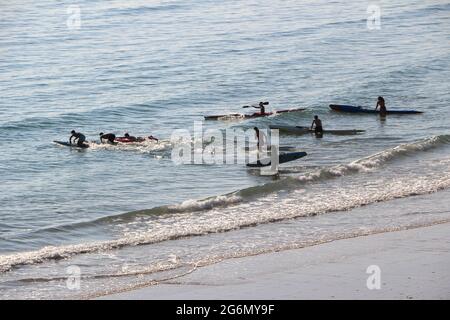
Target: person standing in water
[
  {"x": 317, "y": 125},
  {"x": 259, "y": 138},
  {"x": 381, "y": 103},
  {"x": 78, "y": 137}
]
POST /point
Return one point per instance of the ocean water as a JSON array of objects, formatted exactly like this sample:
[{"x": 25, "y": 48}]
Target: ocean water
[{"x": 126, "y": 216}]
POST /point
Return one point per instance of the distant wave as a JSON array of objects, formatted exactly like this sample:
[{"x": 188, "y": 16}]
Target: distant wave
[
  {"x": 91, "y": 116},
  {"x": 144, "y": 9}
]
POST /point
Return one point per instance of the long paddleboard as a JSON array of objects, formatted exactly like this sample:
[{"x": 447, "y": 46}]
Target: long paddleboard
[
  {"x": 306, "y": 130},
  {"x": 280, "y": 148},
  {"x": 354, "y": 109},
  {"x": 67, "y": 144},
  {"x": 282, "y": 158},
  {"x": 250, "y": 116}
]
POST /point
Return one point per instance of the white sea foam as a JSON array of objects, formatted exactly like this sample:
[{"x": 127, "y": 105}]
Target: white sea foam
[{"x": 196, "y": 205}]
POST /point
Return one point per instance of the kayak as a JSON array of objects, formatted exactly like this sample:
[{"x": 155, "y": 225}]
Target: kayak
[
  {"x": 306, "y": 130},
  {"x": 72, "y": 145},
  {"x": 353, "y": 109},
  {"x": 250, "y": 116},
  {"x": 282, "y": 158}
]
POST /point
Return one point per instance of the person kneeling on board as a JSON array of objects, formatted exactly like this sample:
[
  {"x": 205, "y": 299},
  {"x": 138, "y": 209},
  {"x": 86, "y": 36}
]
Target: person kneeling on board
[
  {"x": 110, "y": 137},
  {"x": 318, "y": 129},
  {"x": 78, "y": 137}
]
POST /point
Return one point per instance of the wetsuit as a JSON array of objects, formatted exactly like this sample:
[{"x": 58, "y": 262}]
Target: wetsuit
[
  {"x": 383, "y": 110},
  {"x": 108, "y": 136},
  {"x": 262, "y": 109},
  {"x": 382, "y": 105},
  {"x": 131, "y": 138},
  {"x": 318, "y": 128},
  {"x": 79, "y": 137}
]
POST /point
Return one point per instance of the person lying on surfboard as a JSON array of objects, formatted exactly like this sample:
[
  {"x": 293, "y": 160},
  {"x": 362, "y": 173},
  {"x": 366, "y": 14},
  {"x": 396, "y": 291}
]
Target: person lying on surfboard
[
  {"x": 110, "y": 137},
  {"x": 381, "y": 103},
  {"x": 318, "y": 129},
  {"x": 78, "y": 137},
  {"x": 128, "y": 138}
]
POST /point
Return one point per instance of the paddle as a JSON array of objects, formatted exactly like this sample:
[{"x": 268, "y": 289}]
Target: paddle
[{"x": 252, "y": 106}]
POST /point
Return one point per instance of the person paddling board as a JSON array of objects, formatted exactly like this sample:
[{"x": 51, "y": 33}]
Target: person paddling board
[
  {"x": 78, "y": 137},
  {"x": 109, "y": 137}
]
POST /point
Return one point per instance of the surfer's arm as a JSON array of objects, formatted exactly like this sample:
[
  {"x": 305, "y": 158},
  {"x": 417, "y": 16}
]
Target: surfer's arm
[
  {"x": 376, "y": 107},
  {"x": 312, "y": 124},
  {"x": 70, "y": 139}
]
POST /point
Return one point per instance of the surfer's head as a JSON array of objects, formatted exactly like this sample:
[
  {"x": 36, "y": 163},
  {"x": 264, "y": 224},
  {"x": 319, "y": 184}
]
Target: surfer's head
[
  {"x": 127, "y": 134},
  {"x": 100, "y": 134},
  {"x": 72, "y": 132},
  {"x": 316, "y": 117},
  {"x": 380, "y": 98}
]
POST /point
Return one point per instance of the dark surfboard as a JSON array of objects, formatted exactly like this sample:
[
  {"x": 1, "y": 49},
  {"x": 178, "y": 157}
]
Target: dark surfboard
[
  {"x": 282, "y": 158},
  {"x": 67, "y": 144},
  {"x": 354, "y": 109}
]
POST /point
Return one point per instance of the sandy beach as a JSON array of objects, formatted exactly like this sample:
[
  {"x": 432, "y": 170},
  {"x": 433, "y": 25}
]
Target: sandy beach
[{"x": 413, "y": 264}]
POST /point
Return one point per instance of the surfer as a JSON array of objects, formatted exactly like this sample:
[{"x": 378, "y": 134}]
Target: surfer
[
  {"x": 127, "y": 138},
  {"x": 110, "y": 137},
  {"x": 318, "y": 129},
  {"x": 130, "y": 138},
  {"x": 382, "y": 105},
  {"x": 79, "y": 137},
  {"x": 153, "y": 138}
]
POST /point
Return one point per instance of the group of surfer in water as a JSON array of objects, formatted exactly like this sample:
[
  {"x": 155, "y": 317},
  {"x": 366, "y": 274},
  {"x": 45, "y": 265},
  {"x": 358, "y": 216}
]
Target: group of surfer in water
[
  {"x": 111, "y": 138},
  {"x": 316, "y": 125},
  {"x": 380, "y": 104},
  {"x": 79, "y": 138}
]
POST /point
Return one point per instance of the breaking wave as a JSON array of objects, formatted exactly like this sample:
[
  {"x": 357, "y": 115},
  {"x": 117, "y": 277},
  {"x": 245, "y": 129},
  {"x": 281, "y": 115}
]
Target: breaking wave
[{"x": 236, "y": 210}]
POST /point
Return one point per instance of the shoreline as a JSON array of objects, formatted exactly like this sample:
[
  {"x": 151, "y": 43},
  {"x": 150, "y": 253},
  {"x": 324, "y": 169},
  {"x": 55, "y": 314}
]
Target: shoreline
[{"x": 411, "y": 264}]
